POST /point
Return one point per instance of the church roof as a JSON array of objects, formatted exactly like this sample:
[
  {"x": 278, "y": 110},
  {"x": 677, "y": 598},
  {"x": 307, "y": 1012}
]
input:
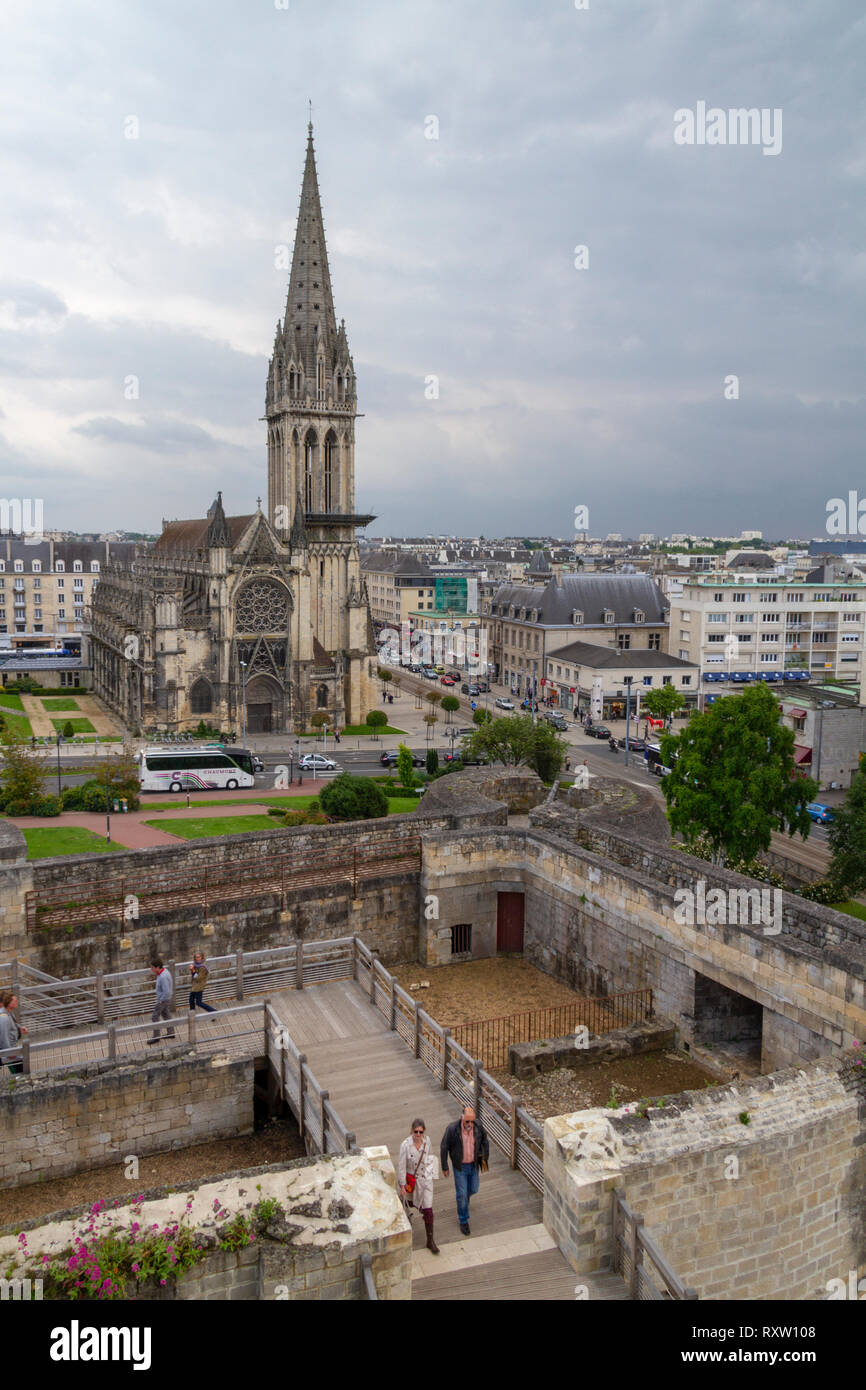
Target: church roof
[{"x": 193, "y": 535}]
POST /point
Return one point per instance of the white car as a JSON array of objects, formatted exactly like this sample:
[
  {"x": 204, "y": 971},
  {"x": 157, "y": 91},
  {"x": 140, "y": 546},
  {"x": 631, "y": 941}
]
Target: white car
[
  {"x": 317, "y": 762},
  {"x": 504, "y": 704}
]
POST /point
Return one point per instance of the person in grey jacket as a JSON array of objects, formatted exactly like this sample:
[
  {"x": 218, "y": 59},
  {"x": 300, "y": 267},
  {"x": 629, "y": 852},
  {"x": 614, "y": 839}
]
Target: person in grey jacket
[
  {"x": 164, "y": 998},
  {"x": 10, "y": 1030}
]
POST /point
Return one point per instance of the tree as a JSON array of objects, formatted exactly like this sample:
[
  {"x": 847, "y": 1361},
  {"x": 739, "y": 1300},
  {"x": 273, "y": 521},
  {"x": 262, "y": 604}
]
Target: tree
[
  {"x": 516, "y": 741},
  {"x": 377, "y": 719},
  {"x": 432, "y": 762},
  {"x": 482, "y": 716},
  {"x": 404, "y": 765},
  {"x": 384, "y": 676},
  {"x": 846, "y": 835},
  {"x": 68, "y": 731},
  {"x": 450, "y": 704},
  {"x": 320, "y": 718},
  {"x": 664, "y": 703},
  {"x": 353, "y": 798},
  {"x": 23, "y": 773},
  {"x": 734, "y": 779},
  {"x": 433, "y": 697},
  {"x": 119, "y": 776},
  {"x": 430, "y": 720}
]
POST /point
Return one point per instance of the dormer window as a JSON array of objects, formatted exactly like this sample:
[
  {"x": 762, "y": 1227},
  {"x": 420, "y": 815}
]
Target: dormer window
[
  {"x": 609, "y": 615},
  {"x": 576, "y": 617},
  {"x": 19, "y": 566},
  {"x": 60, "y": 566},
  {"x": 94, "y": 567},
  {"x": 37, "y": 566},
  {"x": 639, "y": 616},
  {"x": 535, "y": 615},
  {"x": 76, "y": 565}
]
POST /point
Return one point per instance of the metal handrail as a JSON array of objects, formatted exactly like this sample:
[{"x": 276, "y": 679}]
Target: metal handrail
[
  {"x": 631, "y": 1243},
  {"x": 367, "y": 1276}
]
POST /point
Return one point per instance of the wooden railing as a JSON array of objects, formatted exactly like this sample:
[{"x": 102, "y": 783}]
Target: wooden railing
[
  {"x": 640, "y": 1262},
  {"x": 490, "y": 1038},
  {"x": 319, "y": 1124},
  {"x": 516, "y": 1133},
  {"x": 47, "y": 1004},
  {"x": 127, "y": 901}
]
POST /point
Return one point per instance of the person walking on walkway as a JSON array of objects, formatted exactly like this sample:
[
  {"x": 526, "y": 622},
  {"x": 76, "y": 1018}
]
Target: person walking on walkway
[
  {"x": 468, "y": 1147},
  {"x": 10, "y": 1030},
  {"x": 198, "y": 973},
  {"x": 416, "y": 1169},
  {"x": 164, "y": 998}
]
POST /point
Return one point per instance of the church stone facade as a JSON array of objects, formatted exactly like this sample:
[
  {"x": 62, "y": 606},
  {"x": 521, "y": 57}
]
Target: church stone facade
[{"x": 267, "y": 611}]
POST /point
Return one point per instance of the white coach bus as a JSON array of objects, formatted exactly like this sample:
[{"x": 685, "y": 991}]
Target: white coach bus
[{"x": 164, "y": 769}]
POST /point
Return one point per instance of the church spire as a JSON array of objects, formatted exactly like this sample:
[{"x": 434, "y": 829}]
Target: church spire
[{"x": 310, "y": 319}]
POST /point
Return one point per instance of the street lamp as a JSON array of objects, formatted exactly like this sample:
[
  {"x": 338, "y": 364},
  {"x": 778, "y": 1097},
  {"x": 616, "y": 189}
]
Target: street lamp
[
  {"x": 300, "y": 769},
  {"x": 59, "y": 741},
  {"x": 243, "y": 704},
  {"x": 627, "y": 680}
]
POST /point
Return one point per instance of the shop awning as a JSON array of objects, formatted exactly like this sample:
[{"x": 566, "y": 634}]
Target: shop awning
[{"x": 801, "y": 754}]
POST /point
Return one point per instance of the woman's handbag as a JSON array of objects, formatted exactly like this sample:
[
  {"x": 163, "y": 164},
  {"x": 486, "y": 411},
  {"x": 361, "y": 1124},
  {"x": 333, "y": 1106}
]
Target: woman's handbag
[
  {"x": 411, "y": 1182},
  {"x": 412, "y": 1178}
]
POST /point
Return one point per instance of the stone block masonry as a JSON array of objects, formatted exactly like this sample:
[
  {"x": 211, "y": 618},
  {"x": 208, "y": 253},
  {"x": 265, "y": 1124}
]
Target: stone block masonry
[
  {"x": 526, "y": 1060},
  {"x": 313, "y": 1219},
  {"x": 782, "y": 1158},
  {"x": 56, "y": 1126}
]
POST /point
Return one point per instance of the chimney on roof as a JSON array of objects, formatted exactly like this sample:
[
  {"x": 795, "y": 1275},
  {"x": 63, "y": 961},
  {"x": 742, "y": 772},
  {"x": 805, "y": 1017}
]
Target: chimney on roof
[{"x": 558, "y": 578}]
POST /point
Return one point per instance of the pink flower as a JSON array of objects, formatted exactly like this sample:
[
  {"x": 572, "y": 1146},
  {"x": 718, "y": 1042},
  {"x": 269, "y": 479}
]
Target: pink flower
[
  {"x": 136, "y": 1268},
  {"x": 162, "y": 1281}
]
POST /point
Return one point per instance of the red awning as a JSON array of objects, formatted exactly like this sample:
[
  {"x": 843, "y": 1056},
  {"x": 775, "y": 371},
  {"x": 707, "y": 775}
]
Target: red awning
[
  {"x": 801, "y": 754},
  {"x": 797, "y": 713}
]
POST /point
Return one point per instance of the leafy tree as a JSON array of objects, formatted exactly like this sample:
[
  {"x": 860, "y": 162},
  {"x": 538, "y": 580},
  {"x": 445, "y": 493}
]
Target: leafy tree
[
  {"x": 516, "y": 741},
  {"x": 734, "y": 779},
  {"x": 320, "y": 718},
  {"x": 664, "y": 703},
  {"x": 432, "y": 762},
  {"x": 119, "y": 775},
  {"x": 430, "y": 720},
  {"x": 23, "y": 773},
  {"x": 482, "y": 716},
  {"x": 847, "y": 838},
  {"x": 377, "y": 719},
  {"x": 68, "y": 731},
  {"x": 384, "y": 676},
  {"x": 433, "y": 697},
  {"x": 404, "y": 765},
  {"x": 353, "y": 798},
  {"x": 450, "y": 704}
]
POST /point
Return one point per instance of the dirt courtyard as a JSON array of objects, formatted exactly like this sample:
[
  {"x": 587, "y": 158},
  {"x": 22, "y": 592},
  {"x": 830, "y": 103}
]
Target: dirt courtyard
[
  {"x": 477, "y": 989},
  {"x": 624, "y": 1081}
]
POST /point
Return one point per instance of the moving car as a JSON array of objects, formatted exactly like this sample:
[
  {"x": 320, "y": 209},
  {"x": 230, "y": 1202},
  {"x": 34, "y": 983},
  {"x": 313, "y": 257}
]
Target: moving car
[
  {"x": 556, "y": 721},
  {"x": 317, "y": 762},
  {"x": 636, "y": 745},
  {"x": 820, "y": 813},
  {"x": 390, "y": 759},
  {"x": 502, "y": 703},
  {"x": 598, "y": 731}
]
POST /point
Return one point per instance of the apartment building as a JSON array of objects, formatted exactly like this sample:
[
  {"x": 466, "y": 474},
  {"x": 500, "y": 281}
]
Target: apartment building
[
  {"x": 397, "y": 584},
  {"x": 46, "y": 590},
  {"x": 752, "y": 626},
  {"x": 580, "y": 675}
]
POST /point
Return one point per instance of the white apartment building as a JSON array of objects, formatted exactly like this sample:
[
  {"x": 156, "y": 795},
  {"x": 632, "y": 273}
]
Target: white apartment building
[{"x": 750, "y": 626}]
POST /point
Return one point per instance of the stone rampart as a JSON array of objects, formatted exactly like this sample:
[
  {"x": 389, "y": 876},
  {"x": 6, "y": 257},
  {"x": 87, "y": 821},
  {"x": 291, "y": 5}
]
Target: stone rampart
[{"x": 54, "y": 1126}]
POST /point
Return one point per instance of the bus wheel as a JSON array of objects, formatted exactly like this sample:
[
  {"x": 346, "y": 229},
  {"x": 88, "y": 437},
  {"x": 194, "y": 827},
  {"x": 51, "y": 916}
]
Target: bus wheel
[
  {"x": 175, "y": 787},
  {"x": 231, "y": 785}
]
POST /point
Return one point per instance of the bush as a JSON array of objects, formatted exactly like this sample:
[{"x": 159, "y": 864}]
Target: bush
[
  {"x": 93, "y": 798},
  {"x": 46, "y": 806},
  {"x": 432, "y": 762},
  {"x": 18, "y": 808},
  {"x": 68, "y": 730},
  {"x": 72, "y": 798},
  {"x": 376, "y": 719},
  {"x": 353, "y": 798}
]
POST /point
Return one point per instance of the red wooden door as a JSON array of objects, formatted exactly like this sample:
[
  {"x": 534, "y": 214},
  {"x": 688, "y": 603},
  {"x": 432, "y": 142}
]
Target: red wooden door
[{"x": 509, "y": 921}]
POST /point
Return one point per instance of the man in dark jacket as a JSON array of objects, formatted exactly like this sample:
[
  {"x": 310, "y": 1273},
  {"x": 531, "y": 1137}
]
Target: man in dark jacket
[{"x": 464, "y": 1144}]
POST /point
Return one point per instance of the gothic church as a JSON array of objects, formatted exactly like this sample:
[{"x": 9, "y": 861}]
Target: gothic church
[{"x": 267, "y": 612}]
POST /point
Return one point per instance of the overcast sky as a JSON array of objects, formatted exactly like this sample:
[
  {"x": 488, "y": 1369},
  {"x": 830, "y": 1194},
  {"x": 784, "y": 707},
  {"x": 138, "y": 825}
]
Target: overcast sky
[{"x": 154, "y": 257}]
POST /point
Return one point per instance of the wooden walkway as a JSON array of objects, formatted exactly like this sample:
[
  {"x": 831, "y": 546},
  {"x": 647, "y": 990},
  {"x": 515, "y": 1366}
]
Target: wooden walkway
[{"x": 377, "y": 1088}]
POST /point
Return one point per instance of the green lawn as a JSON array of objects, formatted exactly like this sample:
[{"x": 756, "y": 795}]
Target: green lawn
[
  {"x": 18, "y": 724},
  {"x": 364, "y": 730},
  {"x": 74, "y": 839},
  {"x": 853, "y": 909},
  {"x": 197, "y": 829},
  {"x": 11, "y": 701},
  {"x": 65, "y": 703},
  {"x": 79, "y": 726},
  {"x": 300, "y": 803}
]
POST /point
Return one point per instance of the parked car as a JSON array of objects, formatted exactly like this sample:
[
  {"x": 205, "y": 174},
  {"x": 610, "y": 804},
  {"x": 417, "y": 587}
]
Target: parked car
[
  {"x": 467, "y": 689},
  {"x": 502, "y": 703},
  {"x": 389, "y": 759},
  {"x": 452, "y": 671},
  {"x": 636, "y": 745},
  {"x": 556, "y": 721},
  {"x": 483, "y": 687},
  {"x": 598, "y": 731},
  {"x": 820, "y": 813},
  {"x": 428, "y": 673},
  {"x": 317, "y": 762},
  {"x": 447, "y": 680}
]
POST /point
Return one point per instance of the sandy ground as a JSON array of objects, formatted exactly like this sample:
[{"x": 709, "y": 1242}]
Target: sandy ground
[
  {"x": 628, "y": 1079},
  {"x": 483, "y": 989},
  {"x": 278, "y": 1142}
]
